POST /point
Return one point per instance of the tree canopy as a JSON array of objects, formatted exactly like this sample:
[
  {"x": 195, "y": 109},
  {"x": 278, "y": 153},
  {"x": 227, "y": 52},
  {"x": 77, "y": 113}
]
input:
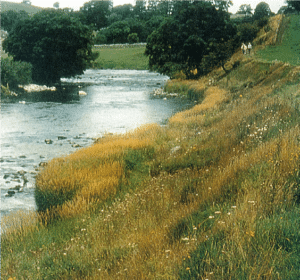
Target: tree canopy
[
  {"x": 56, "y": 44},
  {"x": 245, "y": 9},
  {"x": 196, "y": 38},
  {"x": 294, "y": 4},
  {"x": 10, "y": 18},
  {"x": 262, "y": 10},
  {"x": 96, "y": 13}
]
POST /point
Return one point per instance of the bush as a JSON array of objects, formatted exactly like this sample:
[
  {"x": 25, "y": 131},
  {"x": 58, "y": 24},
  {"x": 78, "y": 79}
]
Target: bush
[
  {"x": 133, "y": 38},
  {"x": 15, "y": 73},
  {"x": 100, "y": 38}
]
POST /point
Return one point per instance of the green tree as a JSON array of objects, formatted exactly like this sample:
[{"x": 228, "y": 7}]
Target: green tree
[
  {"x": 56, "y": 5},
  {"x": 56, "y": 44},
  {"x": 117, "y": 32},
  {"x": 262, "y": 10},
  {"x": 96, "y": 13},
  {"x": 245, "y": 9},
  {"x": 10, "y": 18},
  {"x": 15, "y": 73},
  {"x": 133, "y": 38},
  {"x": 187, "y": 41},
  {"x": 123, "y": 11},
  {"x": 294, "y": 5}
]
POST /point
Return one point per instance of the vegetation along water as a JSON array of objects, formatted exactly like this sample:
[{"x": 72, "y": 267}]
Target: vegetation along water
[{"x": 213, "y": 194}]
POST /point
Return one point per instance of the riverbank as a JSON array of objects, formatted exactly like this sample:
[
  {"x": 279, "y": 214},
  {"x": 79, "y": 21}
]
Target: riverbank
[
  {"x": 217, "y": 188},
  {"x": 213, "y": 194}
]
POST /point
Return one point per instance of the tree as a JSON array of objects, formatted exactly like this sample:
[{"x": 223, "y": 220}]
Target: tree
[
  {"x": 26, "y": 2},
  {"x": 294, "y": 4},
  {"x": 56, "y": 44},
  {"x": 10, "y": 18},
  {"x": 96, "y": 13},
  {"x": 14, "y": 73},
  {"x": 117, "y": 32},
  {"x": 188, "y": 40},
  {"x": 245, "y": 9},
  {"x": 56, "y": 5},
  {"x": 262, "y": 10}
]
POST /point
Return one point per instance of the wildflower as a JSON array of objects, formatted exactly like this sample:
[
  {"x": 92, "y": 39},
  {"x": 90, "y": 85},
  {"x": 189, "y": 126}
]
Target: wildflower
[
  {"x": 187, "y": 268},
  {"x": 218, "y": 212},
  {"x": 233, "y": 206},
  {"x": 211, "y": 217}
]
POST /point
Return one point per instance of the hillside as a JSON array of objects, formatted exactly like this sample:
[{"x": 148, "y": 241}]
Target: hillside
[
  {"x": 213, "y": 195},
  {"x": 286, "y": 47},
  {"x": 6, "y": 6}
]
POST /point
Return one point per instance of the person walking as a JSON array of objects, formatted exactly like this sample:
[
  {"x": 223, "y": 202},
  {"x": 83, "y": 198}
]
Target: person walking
[
  {"x": 249, "y": 47},
  {"x": 244, "y": 48}
]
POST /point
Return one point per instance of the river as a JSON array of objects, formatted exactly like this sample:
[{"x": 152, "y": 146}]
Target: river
[{"x": 116, "y": 101}]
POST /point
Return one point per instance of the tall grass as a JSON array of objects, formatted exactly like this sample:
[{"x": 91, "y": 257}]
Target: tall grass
[{"x": 212, "y": 195}]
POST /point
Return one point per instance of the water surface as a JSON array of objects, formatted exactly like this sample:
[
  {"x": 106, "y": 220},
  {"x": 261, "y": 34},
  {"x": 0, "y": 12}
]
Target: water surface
[{"x": 116, "y": 101}]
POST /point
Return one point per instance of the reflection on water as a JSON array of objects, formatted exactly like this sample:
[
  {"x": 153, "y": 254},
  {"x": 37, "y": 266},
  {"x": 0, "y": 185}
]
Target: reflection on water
[{"x": 116, "y": 101}]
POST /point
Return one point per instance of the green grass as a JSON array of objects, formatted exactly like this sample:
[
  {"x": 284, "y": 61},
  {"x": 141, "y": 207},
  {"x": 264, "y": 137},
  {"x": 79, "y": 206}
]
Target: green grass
[
  {"x": 7, "y": 6},
  {"x": 121, "y": 58},
  {"x": 289, "y": 50}
]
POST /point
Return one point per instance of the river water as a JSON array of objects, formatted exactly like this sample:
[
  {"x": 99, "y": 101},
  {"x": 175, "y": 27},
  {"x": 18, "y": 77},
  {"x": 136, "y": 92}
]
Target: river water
[{"x": 116, "y": 101}]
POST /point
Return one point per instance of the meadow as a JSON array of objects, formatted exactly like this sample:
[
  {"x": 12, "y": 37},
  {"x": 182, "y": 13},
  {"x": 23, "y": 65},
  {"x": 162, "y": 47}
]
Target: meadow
[
  {"x": 288, "y": 47},
  {"x": 214, "y": 194},
  {"x": 121, "y": 58}
]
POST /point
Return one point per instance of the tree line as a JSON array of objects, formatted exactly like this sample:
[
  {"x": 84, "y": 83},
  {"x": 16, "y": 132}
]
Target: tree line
[{"x": 182, "y": 36}]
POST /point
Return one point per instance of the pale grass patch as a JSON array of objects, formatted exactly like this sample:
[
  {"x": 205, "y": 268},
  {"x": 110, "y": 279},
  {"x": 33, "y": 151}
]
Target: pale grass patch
[
  {"x": 213, "y": 97},
  {"x": 19, "y": 223}
]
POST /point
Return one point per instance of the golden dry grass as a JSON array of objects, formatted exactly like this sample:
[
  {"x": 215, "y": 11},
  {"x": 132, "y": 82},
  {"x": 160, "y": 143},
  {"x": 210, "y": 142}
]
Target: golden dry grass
[{"x": 220, "y": 202}]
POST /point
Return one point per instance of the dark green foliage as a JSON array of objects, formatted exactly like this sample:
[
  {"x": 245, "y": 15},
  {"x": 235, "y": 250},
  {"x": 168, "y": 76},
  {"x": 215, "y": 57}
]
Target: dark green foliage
[
  {"x": 245, "y": 9},
  {"x": 292, "y": 4},
  {"x": 262, "y": 10},
  {"x": 96, "y": 13},
  {"x": 117, "y": 32},
  {"x": 10, "y": 18},
  {"x": 45, "y": 200},
  {"x": 15, "y": 73},
  {"x": 247, "y": 32},
  {"x": 185, "y": 40},
  {"x": 55, "y": 43},
  {"x": 133, "y": 38}
]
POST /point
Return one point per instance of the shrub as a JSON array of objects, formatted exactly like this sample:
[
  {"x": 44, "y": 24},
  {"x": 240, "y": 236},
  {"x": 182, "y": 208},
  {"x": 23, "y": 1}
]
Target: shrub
[
  {"x": 15, "y": 73},
  {"x": 133, "y": 38}
]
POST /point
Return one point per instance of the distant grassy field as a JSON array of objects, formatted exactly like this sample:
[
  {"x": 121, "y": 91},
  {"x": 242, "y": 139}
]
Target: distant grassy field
[
  {"x": 121, "y": 58},
  {"x": 6, "y": 6},
  {"x": 289, "y": 49}
]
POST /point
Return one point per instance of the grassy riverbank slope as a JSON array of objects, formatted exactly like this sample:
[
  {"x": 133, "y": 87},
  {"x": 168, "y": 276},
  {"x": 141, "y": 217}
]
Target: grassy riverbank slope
[{"x": 214, "y": 194}]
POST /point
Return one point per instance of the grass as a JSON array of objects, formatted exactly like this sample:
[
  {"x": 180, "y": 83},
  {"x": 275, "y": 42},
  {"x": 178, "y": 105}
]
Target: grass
[
  {"x": 7, "y": 6},
  {"x": 214, "y": 194},
  {"x": 121, "y": 58},
  {"x": 289, "y": 49}
]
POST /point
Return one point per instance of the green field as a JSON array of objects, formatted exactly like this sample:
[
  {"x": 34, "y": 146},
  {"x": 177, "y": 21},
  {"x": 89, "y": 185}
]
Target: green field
[
  {"x": 7, "y": 6},
  {"x": 289, "y": 50},
  {"x": 121, "y": 58}
]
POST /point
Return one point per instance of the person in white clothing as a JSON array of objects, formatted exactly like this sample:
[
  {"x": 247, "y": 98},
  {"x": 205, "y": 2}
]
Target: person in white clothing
[
  {"x": 249, "y": 47},
  {"x": 244, "y": 48}
]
